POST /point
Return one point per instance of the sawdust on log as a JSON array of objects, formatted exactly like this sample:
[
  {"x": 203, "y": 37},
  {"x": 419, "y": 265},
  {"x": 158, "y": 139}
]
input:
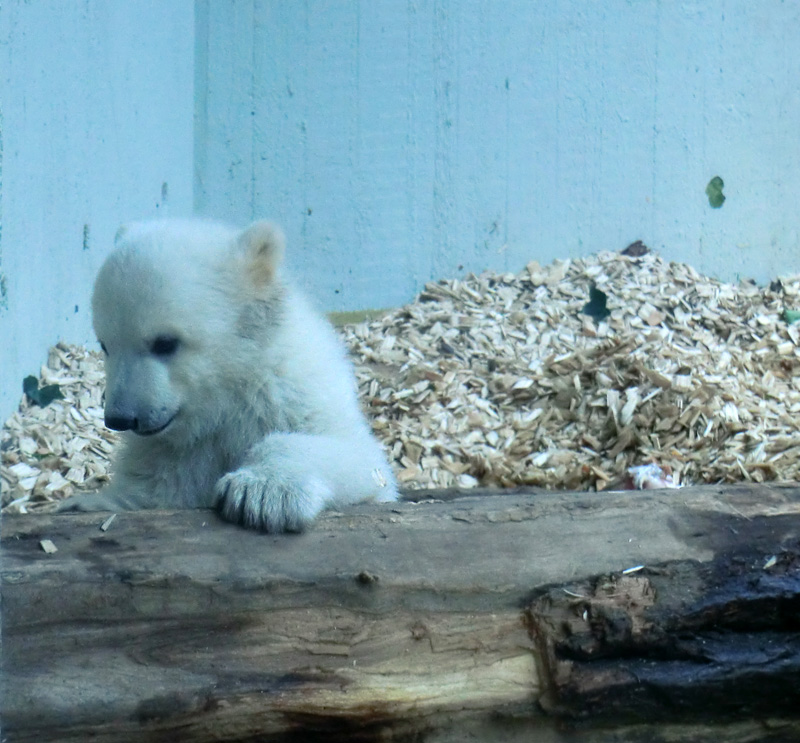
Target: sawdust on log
[{"x": 502, "y": 379}]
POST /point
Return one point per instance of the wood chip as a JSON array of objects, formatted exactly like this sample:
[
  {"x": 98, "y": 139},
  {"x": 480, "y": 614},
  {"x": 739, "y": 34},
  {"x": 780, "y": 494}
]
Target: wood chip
[{"x": 48, "y": 546}]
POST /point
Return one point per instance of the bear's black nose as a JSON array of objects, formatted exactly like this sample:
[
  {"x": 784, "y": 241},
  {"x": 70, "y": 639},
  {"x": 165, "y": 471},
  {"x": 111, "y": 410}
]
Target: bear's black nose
[{"x": 121, "y": 423}]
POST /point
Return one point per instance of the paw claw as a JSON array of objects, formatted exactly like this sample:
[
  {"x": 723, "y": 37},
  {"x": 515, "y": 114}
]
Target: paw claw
[
  {"x": 86, "y": 502},
  {"x": 261, "y": 499}
]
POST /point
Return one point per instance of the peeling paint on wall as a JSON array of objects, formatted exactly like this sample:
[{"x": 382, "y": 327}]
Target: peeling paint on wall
[
  {"x": 714, "y": 192},
  {"x": 163, "y": 204}
]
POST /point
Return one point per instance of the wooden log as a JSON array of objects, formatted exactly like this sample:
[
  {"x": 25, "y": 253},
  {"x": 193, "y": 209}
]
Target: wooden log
[{"x": 508, "y": 617}]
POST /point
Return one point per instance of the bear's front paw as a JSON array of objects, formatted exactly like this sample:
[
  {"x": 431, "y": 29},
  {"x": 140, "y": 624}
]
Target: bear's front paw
[
  {"x": 87, "y": 502},
  {"x": 260, "y": 498}
]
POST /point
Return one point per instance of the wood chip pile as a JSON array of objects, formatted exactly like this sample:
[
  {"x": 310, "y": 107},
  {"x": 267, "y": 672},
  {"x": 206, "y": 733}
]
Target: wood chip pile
[
  {"x": 501, "y": 379},
  {"x": 51, "y": 452}
]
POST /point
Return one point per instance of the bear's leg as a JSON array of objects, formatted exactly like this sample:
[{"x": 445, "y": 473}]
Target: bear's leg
[
  {"x": 111, "y": 498},
  {"x": 288, "y": 478}
]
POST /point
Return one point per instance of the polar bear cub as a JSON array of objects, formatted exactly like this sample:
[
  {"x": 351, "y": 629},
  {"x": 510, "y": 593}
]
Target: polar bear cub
[{"x": 230, "y": 391}]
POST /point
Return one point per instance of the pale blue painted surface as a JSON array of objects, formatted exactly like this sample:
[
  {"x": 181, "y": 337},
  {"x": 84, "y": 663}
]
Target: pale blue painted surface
[
  {"x": 97, "y": 115},
  {"x": 396, "y": 141},
  {"x": 399, "y": 142}
]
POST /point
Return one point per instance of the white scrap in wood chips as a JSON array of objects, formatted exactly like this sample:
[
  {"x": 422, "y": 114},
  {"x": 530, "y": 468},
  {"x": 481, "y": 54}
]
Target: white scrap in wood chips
[
  {"x": 499, "y": 379},
  {"x": 650, "y": 477}
]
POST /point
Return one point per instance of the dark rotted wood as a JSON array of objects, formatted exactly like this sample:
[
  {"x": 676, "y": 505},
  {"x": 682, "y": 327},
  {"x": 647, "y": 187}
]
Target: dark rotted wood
[
  {"x": 482, "y": 617},
  {"x": 679, "y": 640}
]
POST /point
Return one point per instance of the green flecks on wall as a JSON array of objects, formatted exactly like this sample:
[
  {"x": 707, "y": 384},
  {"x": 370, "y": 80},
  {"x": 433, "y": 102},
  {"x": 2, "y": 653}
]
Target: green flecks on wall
[
  {"x": 86, "y": 235},
  {"x": 714, "y": 192},
  {"x": 3, "y": 292}
]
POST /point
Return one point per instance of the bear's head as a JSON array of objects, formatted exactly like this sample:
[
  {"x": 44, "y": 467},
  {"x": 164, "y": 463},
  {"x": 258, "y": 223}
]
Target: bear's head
[{"x": 184, "y": 311}]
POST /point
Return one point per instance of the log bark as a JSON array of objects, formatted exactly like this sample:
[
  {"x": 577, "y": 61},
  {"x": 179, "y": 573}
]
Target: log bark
[{"x": 645, "y": 616}]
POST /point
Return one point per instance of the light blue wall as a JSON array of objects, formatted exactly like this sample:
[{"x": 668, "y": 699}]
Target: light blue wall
[
  {"x": 404, "y": 141},
  {"x": 396, "y": 141},
  {"x": 96, "y": 127}
]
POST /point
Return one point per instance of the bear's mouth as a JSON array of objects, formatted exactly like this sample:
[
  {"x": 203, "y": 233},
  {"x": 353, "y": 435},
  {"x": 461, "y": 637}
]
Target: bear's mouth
[{"x": 154, "y": 431}]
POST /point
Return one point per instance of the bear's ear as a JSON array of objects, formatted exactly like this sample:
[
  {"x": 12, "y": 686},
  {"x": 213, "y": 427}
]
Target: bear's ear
[
  {"x": 262, "y": 244},
  {"x": 121, "y": 232}
]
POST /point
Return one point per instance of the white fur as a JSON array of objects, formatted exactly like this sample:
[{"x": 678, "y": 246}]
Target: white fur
[{"x": 259, "y": 401}]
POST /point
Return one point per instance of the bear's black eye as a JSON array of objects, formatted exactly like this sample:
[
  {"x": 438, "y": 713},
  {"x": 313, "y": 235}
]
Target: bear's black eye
[
  {"x": 164, "y": 345},
  {"x": 103, "y": 348}
]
